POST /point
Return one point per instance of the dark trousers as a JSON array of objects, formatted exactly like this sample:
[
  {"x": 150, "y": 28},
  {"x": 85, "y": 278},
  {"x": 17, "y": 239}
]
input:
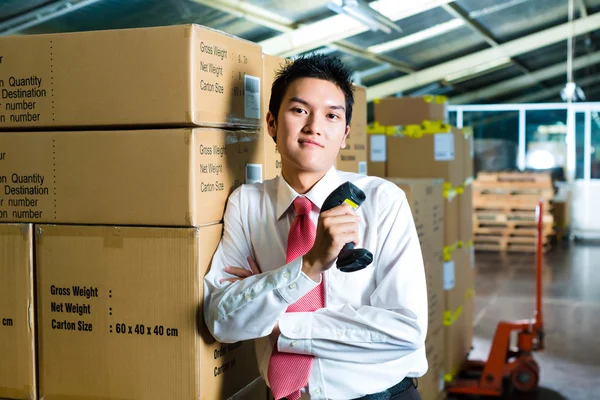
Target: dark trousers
[{"x": 405, "y": 390}]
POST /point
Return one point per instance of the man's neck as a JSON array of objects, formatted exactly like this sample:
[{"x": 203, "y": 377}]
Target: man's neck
[{"x": 302, "y": 182}]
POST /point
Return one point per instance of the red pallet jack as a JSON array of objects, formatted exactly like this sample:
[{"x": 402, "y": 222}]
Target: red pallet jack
[{"x": 486, "y": 378}]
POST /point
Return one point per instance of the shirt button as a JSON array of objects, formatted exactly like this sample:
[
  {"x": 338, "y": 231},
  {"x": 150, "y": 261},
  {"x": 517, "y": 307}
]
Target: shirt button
[
  {"x": 247, "y": 296},
  {"x": 340, "y": 334},
  {"x": 286, "y": 275},
  {"x": 293, "y": 344},
  {"x": 317, "y": 391},
  {"x": 292, "y": 286}
]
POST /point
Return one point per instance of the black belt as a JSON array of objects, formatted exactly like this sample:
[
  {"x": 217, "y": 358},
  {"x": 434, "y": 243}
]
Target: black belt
[{"x": 395, "y": 390}]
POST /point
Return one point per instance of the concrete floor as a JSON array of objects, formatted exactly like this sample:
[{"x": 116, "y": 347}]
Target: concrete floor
[{"x": 570, "y": 365}]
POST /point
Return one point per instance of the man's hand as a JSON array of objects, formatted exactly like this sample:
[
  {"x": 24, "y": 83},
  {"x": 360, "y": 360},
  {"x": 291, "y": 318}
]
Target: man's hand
[
  {"x": 242, "y": 273},
  {"x": 335, "y": 228}
]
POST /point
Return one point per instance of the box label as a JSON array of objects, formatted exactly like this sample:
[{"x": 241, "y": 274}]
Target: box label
[
  {"x": 449, "y": 276},
  {"x": 443, "y": 146},
  {"x": 25, "y": 194},
  {"x": 22, "y": 96},
  {"x": 251, "y": 97},
  {"x": 471, "y": 146},
  {"x": 254, "y": 173},
  {"x": 378, "y": 148},
  {"x": 362, "y": 167}
]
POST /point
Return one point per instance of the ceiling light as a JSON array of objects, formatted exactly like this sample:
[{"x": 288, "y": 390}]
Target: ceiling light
[
  {"x": 420, "y": 36},
  {"x": 363, "y": 13}
]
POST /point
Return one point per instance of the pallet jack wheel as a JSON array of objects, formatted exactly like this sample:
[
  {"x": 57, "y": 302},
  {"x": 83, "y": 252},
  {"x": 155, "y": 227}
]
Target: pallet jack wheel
[{"x": 525, "y": 378}]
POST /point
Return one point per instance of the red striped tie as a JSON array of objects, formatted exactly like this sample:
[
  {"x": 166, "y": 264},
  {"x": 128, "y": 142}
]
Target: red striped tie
[{"x": 288, "y": 373}]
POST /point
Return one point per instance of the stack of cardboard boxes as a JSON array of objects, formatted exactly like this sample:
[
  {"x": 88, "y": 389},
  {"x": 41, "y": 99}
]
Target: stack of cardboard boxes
[
  {"x": 410, "y": 139},
  {"x": 122, "y": 148},
  {"x": 425, "y": 197}
]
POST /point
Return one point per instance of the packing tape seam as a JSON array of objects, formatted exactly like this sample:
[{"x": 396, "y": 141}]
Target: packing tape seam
[
  {"x": 450, "y": 317},
  {"x": 450, "y": 376},
  {"x": 377, "y": 129},
  {"x": 438, "y": 99},
  {"x": 448, "y": 250},
  {"x": 426, "y": 128},
  {"x": 470, "y": 294}
]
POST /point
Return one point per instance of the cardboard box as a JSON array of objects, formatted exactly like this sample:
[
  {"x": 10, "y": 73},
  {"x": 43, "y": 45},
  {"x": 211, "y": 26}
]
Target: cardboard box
[
  {"x": 432, "y": 383},
  {"x": 17, "y": 317},
  {"x": 119, "y": 315},
  {"x": 377, "y": 155},
  {"x": 435, "y": 293},
  {"x": 172, "y": 75},
  {"x": 459, "y": 311},
  {"x": 430, "y": 156},
  {"x": 256, "y": 390},
  {"x": 468, "y": 153},
  {"x": 272, "y": 158},
  {"x": 465, "y": 219},
  {"x": 353, "y": 157},
  {"x": 410, "y": 110},
  {"x": 144, "y": 177},
  {"x": 451, "y": 220},
  {"x": 425, "y": 197}
]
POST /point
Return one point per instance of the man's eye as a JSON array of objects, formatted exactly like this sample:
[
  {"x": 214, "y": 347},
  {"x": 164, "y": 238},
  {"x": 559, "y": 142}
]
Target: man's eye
[
  {"x": 332, "y": 116},
  {"x": 298, "y": 110}
]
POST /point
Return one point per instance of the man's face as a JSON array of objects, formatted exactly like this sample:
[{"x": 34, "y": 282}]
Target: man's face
[{"x": 311, "y": 126}]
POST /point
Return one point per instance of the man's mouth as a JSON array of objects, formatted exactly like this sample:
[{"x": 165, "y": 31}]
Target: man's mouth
[{"x": 309, "y": 142}]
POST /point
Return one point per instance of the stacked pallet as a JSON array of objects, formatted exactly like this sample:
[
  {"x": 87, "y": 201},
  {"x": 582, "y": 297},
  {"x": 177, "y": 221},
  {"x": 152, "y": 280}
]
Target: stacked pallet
[{"x": 504, "y": 210}]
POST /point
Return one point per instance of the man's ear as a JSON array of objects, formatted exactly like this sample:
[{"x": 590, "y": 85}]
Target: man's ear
[
  {"x": 271, "y": 125},
  {"x": 343, "y": 145}
]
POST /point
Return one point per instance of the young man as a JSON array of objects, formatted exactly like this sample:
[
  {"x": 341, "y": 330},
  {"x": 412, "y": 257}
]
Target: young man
[{"x": 321, "y": 333}]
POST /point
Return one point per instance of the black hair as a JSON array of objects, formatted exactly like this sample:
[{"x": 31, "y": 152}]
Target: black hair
[{"x": 318, "y": 66}]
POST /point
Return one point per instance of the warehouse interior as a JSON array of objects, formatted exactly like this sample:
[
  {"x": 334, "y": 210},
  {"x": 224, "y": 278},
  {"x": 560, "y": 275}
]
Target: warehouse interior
[{"x": 513, "y": 84}]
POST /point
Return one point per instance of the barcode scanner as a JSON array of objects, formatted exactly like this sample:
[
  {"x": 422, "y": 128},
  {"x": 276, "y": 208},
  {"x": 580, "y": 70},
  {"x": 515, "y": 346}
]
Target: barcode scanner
[{"x": 349, "y": 259}]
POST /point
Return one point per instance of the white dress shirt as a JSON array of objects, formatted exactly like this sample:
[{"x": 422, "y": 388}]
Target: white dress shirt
[{"x": 371, "y": 333}]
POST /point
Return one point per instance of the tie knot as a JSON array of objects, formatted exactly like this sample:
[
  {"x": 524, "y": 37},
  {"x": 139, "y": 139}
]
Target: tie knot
[{"x": 302, "y": 205}]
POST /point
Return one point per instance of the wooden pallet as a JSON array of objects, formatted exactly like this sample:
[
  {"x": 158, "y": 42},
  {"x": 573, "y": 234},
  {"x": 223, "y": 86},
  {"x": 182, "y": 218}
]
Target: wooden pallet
[
  {"x": 493, "y": 239},
  {"x": 508, "y": 232},
  {"x": 514, "y": 193},
  {"x": 510, "y": 248},
  {"x": 507, "y": 207},
  {"x": 515, "y": 177},
  {"x": 490, "y": 216}
]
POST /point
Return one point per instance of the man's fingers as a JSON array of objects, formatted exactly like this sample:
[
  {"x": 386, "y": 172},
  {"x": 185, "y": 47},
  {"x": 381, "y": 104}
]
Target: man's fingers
[
  {"x": 342, "y": 209},
  {"x": 230, "y": 280},
  {"x": 253, "y": 266},
  {"x": 330, "y": 221},
  {"x": 239, "y": 272}
]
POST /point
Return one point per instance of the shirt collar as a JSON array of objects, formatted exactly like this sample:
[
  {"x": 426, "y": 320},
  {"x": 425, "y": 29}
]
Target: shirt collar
[{"x": 317, "y": 195}]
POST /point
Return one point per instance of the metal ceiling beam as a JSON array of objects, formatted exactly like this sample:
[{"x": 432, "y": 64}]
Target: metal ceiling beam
[
  {"x": 339, "y": 27},
  {"x": 495, "y": 8},
  {"x": 42, "y": 14},
  {"x": 510, "y": 49},
  {"x": 282, "y": 24},
  {"x": 457, "y": 12},
  {"x": 582, "y": 8},
  {"x": 514, "y": 84},
  {"x": 553, "y": 91},
  {"x": 253, "y": 13},
  {"x": 358, "y": 51}
]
